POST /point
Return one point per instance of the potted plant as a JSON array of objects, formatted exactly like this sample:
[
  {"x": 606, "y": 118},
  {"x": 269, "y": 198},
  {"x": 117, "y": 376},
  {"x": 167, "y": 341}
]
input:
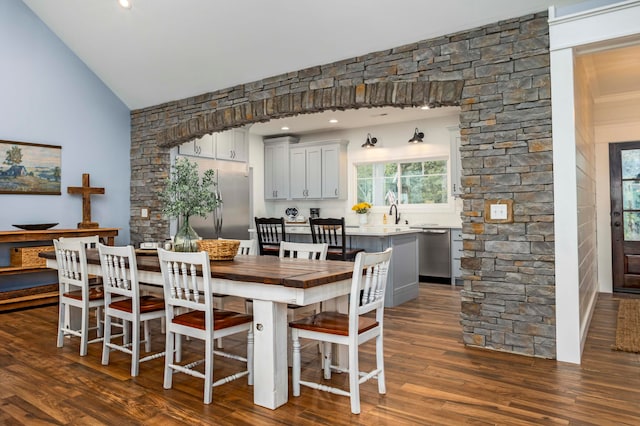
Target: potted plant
[
  {"x": 361, "y": 210},
  {"x": 185, "y": 195}
]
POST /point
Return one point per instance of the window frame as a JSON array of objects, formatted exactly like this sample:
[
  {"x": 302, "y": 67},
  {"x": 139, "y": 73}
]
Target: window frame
[{"x": 447, "y": 206}]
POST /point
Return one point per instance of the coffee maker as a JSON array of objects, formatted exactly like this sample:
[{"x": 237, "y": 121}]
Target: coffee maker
[{"x": 314, "y": 212}]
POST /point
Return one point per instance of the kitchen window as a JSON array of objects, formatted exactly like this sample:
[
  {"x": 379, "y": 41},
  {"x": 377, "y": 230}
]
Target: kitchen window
[{"x": 418, "y": 182}]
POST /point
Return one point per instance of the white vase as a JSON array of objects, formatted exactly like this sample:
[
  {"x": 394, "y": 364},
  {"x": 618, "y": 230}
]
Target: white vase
[{"x": 363, "y": 218}]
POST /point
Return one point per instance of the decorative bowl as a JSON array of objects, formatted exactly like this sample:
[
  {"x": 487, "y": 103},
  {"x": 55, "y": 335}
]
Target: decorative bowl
[{"x": 36, "y": 226}]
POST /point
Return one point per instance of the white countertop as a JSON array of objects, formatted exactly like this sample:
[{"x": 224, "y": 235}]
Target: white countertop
[{"x": 367, "y": 230}]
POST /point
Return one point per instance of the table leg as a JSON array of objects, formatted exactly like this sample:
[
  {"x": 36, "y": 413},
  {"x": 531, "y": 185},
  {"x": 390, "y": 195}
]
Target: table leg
[{"x": 270, "y": 372}]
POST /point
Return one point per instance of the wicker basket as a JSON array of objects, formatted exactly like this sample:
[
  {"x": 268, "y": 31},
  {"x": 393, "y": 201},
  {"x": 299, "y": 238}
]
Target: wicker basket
[
  {"x": 27, "y": 257},
  {"x": 219, "y": 249}
]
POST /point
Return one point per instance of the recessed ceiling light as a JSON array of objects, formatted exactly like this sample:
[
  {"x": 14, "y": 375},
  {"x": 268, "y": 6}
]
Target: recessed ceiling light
[
  {"x": 125, "y": 3},
  {"x": 284, "y": 128},
  {"x": 333, "y": 120},
  {"x": 425, "y": 107}
]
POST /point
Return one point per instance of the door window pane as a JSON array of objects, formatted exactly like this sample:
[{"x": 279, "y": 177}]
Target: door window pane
[
  {"x": 631, "y": 195},
  {"x": 631, "y": 226},
  {"x": 630, "y": 159}
]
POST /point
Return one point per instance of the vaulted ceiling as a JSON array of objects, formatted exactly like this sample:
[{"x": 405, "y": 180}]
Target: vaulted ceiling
[{"x": 164, "y": 50}]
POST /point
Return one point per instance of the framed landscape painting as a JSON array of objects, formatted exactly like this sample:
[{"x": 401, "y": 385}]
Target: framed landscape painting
[{"x": 29, "y": 168}]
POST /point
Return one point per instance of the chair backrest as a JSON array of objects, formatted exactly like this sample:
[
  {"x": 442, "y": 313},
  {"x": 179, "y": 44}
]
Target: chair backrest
[
  {"x": 120, "y": 273},
  {"x": 89, "y": 242},
  {"x": 184, "y": 286},
  {"x": 71, "y": 257},
  {"x": 248, "y": 247},
  {"x": 270, "y": 230},
  {"x": 303, "y": 250},
  {"x": 368, "y": 286},
  {"x": 330, "y": 231}
]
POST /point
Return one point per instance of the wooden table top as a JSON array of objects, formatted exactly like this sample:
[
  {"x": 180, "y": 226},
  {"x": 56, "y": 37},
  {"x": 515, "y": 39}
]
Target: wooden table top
[{"x": 297, "y": 273}]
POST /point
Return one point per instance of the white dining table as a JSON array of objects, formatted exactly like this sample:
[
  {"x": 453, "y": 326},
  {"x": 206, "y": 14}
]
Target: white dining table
[{"x": 272, "y": 284}]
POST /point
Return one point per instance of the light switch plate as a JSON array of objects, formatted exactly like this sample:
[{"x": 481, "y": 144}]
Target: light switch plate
[
  {"x": 498, "y": 211},
  {"x": 144, "y": 212}
]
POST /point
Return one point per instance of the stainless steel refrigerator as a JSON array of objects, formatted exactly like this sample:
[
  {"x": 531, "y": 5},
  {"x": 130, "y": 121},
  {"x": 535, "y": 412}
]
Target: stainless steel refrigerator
[{"x": 232, "y": 219}]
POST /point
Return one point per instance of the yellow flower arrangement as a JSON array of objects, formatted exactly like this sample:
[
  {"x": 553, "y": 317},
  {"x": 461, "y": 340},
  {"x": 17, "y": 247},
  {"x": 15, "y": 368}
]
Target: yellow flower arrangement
[{"x": 361, "y": 208}]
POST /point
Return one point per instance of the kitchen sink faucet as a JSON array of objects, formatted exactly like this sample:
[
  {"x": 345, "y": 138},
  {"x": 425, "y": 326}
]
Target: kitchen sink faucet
[{"x": 396, "y": 215}]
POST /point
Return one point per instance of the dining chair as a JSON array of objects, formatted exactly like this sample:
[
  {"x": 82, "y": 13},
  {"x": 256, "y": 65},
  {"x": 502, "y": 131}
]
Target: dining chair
[
  {"x": 90, "y": 242},
  {"x": 351, "y": 330},
  {"x": 76, "y": 292},
  {"x": 248, "y": 247},
  {"x": 301, "y": 251},
  {"x": 332, "y": 231},
  {"x": 271, "y": 231},
  {"x": 124, "y": 302},
  {"x": 189, "y": 312}
]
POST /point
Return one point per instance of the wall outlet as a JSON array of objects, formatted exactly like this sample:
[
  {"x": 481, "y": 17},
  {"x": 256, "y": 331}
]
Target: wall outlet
[
  {"x": 144, "y": 213},
  {"x": 498, "y": 211}
]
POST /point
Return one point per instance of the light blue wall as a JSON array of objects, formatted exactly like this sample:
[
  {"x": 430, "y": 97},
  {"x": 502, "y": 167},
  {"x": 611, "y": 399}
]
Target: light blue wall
[{"x": 49, "y": 96}]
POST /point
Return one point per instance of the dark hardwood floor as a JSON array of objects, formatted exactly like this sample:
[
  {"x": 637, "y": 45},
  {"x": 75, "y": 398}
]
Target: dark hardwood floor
[{"x": 431, "y": 379}]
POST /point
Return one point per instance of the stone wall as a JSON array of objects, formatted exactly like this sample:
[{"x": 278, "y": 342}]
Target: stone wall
[{"x": 499, "y": 76}]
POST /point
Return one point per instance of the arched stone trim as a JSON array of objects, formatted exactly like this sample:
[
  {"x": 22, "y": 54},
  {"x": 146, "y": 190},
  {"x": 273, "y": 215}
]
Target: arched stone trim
[{"x": 366, "y": 95}]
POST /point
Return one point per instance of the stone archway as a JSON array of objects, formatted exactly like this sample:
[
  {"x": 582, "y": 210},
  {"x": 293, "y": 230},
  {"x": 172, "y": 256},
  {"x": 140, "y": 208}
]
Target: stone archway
[{"x": 366, "y": 95}]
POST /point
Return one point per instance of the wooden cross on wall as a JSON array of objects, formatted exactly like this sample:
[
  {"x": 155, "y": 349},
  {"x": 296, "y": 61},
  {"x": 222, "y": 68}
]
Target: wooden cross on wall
[{"x": 86, "y": 191}]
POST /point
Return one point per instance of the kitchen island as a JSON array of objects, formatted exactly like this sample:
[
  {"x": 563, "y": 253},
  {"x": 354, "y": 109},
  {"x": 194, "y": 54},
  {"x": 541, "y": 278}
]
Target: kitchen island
[{"x": 403, "y": 280}]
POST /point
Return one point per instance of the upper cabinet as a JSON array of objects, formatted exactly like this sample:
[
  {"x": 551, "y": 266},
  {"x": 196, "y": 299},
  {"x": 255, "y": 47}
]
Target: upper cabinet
[
  {"x": 456, "y": 161},
  {"x": 319, "y": 170},
  {"x": 306, "y": 172},
  {"x": 276, "y": 167},
  {"x": 231, "y": 145},
  {"x": 334, "y": 171},
  {"x": 202, "y": 147}
]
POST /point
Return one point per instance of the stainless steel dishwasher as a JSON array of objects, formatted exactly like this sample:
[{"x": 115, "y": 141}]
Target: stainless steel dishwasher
[{"x": 434, "y": 251}]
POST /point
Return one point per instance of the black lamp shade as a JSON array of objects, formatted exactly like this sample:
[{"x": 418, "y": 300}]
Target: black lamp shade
[
  {"x": 371, "y": 142},
  {"x": 417, "y": 136}
]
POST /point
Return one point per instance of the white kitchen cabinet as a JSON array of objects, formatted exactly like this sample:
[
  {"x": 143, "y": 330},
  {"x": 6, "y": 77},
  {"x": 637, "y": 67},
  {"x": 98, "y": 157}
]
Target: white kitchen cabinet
[
  {"x": 306, "y": 172},
  {"x": 203, "y": 147},
  {"x": 232, "y": 145},
  {"x": 456, "y": 161},
  {"x": 456, "y": 254},
  {"x": 319, "y": 170},
  {"x": 276, "y": 167},
  {"x": 334, "y": 171}
]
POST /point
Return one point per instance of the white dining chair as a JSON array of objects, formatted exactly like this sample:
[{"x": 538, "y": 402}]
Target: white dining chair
[
  {"x": 75, "y": 291},
  {"x": 248, "y": 248},
  {"x": 351, "y": 330},
  {"x": 124, "y": 303},
  {"x": 309, "y": 251},
  {"x": 188, "y": 287},
  {"x": 303, "y": 250}
]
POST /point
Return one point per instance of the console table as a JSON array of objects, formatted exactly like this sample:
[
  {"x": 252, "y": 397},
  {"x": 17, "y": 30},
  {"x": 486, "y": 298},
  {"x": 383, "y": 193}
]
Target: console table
[{"x": 44, "y": 294}]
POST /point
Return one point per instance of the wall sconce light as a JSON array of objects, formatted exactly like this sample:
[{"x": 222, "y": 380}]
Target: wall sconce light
[
  {"x": 371, "y": 141},
  {"x": 417, "y": 136}
]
